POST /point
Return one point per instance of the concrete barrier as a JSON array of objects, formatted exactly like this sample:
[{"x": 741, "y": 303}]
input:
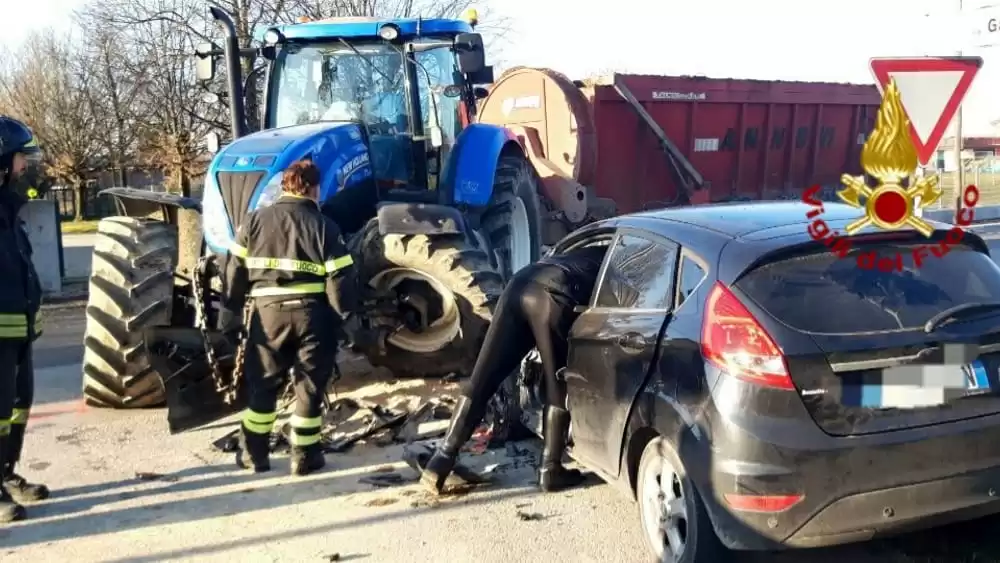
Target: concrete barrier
[{"x": 43, "y": 231}]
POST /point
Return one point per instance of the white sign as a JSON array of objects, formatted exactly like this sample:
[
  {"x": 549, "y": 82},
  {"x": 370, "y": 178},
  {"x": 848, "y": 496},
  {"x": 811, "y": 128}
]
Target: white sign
[
  {"x": 984, "y": 24},
  {"x": 692, "y": 96}
]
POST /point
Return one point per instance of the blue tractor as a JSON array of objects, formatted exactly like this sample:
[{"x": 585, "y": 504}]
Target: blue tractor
[{"x": 438, "y": 209}]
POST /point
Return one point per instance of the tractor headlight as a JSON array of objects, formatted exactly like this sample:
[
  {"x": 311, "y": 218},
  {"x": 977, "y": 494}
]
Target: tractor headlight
[
  {"x": 388, "y": 32},
  {"x": 215, "y": 220},
  {"x": 270, "y": 192},
  {"x": 272, "y": 37}
]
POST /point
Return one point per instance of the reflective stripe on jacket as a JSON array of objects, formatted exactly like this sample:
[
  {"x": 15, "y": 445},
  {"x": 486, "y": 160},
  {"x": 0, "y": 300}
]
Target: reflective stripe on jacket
[
  {"x": 20, "y": 289},
  {"x": 291, "y": 248}
]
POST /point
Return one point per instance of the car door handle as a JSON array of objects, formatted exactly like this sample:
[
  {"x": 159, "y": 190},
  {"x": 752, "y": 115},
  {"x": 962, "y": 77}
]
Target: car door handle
[{"x": 632, "y": 341}]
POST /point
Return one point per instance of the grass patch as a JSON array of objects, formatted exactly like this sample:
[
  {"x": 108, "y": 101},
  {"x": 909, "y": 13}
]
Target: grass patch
[{"x": 79, "y": 227}]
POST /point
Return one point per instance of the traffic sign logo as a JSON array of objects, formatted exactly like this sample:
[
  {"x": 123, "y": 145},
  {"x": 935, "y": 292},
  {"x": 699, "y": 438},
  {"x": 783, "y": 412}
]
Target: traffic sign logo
[
  {"x": 931, "y": 89},
  {"x": 890, "y": 156}
]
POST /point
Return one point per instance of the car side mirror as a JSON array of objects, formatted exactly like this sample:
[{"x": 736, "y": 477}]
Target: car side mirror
[
  {"x": 471, "y": 52},
  {"x": 205, "y": 67},
  {"x": 480, "y": 92}
]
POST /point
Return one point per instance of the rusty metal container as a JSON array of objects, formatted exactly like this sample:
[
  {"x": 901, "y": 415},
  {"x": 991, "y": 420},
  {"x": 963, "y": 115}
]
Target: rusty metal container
[
  {"x": 748, "y": 138},
  {"x": 655, "y": 141}
]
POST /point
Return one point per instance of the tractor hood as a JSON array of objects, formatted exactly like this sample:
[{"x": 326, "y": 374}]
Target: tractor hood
[{"x": 246, "y": 174}]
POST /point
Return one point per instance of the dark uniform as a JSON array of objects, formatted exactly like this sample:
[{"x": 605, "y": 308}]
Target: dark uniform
[
  {"x": 536, "y": 310},
  {"x": 292, "y": 262},
  {"x": 20, "y": 299}
]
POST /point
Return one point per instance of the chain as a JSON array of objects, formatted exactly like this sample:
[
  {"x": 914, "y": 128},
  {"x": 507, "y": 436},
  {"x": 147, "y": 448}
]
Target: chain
[
  {"x": 221, "y": 386},
  {"x": 241, "y": 351}
]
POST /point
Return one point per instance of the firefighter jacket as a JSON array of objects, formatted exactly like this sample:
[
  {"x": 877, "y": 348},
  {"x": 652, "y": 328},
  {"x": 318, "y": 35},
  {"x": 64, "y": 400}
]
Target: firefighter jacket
[
  {"x": 291, "y": 249},
  {"x": 20, "y": 289}
]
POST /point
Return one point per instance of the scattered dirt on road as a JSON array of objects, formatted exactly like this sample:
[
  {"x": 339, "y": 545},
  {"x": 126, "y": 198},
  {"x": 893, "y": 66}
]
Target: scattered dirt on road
[{"x": 382, "y": 501}]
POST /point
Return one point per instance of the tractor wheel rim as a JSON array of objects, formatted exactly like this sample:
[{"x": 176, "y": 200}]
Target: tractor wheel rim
[
  {"x": 520, "y": 236},
  {"x": 664, "y": 510},
  {"x": 442, "y": 330}
]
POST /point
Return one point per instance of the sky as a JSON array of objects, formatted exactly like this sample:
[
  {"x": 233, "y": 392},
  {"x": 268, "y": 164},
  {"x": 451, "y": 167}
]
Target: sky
[{"x": 761, "y": 39}]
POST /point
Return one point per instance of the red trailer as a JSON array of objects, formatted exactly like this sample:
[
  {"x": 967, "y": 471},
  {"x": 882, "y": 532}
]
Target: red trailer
[{"x": 656, "y": 141}]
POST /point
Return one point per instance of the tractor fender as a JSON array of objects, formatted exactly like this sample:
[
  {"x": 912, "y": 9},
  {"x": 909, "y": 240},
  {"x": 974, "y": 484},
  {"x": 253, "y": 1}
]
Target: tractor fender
[
  {"x": 419, "y": 219},
  {"x": 129, "y": 196},
  {"x": 469, "y": 173},
  {"x": 131, "y": 202}
]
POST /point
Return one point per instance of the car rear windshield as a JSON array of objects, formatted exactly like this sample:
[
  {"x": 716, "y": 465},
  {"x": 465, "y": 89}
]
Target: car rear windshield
[{"x": 822, "y": 293}]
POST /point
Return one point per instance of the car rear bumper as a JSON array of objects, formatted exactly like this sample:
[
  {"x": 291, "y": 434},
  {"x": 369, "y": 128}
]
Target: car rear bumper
[
  {"x": 852, "y": 489},
  {"x": 863, "y": 516}
]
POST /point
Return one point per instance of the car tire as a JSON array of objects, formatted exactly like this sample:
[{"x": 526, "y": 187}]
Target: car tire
[{"x": 689, "y": 523}]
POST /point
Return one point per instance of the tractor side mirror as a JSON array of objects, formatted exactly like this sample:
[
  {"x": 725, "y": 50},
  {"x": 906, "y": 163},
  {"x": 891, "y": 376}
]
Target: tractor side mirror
[
  {"x": 212, "y": 142},
  {"x": 205, "y": 67},
  {"x": 484, "y": 76},
  {"x": 471, "y": 52}
]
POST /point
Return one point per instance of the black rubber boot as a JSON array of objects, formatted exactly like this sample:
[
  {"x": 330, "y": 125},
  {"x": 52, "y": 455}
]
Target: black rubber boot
[
  {"x": 307, "y": 459},
  {"x": 552, "y": 476},
  {"x": 255, "y": 446},
  {"x": 18, "y": 487},
  {"x": 10, "y": 511},
  {"x": 439, "y": 466}
]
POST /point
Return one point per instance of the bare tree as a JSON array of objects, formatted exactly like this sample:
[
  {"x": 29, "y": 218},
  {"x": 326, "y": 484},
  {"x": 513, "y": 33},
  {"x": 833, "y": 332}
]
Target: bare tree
[
  {"x": 114, "y": 96},
  {"x": 42, "y": 84}
]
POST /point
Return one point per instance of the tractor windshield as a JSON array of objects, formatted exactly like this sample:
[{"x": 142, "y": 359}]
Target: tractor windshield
[{"x": 335, "y": 82}]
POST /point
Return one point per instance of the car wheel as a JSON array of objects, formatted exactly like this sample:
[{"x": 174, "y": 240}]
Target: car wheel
[{"x": 674, "y": 520}]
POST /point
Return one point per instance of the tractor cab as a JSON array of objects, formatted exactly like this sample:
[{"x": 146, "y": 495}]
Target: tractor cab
[{"x": 410, "y": 84}]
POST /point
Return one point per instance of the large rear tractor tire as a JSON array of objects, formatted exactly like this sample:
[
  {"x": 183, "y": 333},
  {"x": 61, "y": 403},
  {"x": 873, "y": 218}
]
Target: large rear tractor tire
[
  {"x": 512, "y": 225},
  {"x": 451, "y": 290},
  {"x": 131, "y": 288},
  {"x": 512, "y": 220}
]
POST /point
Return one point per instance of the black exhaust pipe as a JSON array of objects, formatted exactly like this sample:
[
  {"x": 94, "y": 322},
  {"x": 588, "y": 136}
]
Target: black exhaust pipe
[{"x": 237, "y": 111}]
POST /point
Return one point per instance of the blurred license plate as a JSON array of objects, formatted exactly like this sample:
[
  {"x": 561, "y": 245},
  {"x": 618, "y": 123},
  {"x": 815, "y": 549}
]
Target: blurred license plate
[{"x": 938, "y": 388}]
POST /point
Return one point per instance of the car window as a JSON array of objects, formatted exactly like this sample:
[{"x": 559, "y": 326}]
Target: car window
[
  {"x": 691, "y": 275},
  {"x": 822, "y": 293},
  {"x": 638, "y": 275}
]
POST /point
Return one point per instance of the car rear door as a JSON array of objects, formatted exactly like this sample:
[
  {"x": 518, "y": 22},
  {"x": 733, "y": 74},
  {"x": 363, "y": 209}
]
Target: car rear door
[
  {"x": 857, "y": 341},
  {"x": 613, "y": 343}
]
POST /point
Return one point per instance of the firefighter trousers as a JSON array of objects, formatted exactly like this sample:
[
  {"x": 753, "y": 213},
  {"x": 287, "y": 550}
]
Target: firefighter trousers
[
  {"x": 530, "y": 314},
  {"x": 297, "y": 336},
  {"x": 17, "y": 392}
]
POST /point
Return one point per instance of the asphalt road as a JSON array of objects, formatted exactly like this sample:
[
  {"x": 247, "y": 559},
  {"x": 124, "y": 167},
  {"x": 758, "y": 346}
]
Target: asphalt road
[{"x": 127, "y": 491}]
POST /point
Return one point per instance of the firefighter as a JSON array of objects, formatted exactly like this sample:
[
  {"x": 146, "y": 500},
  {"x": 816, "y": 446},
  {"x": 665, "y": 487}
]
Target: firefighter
[
  {"x": 20, "y": 299},
  {"x": 291, "y": 262},
  {"x": 536, "y": 310}
]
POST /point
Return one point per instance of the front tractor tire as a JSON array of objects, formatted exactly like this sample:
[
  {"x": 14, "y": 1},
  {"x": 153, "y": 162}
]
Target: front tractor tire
[
  {"x": 512, "y": 219},
  {"x": 131, "y": 289},
  {"x": 451, "y": 288}
]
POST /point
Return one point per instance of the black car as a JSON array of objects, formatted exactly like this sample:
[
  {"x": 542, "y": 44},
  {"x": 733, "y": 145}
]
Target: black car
[{"x": 743, "y": 382}]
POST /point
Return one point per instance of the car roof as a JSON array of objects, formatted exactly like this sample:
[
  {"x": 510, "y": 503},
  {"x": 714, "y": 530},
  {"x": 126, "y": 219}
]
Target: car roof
[
  {"x": 743, "y": 218},
  {"x": 738, "y": 234}
]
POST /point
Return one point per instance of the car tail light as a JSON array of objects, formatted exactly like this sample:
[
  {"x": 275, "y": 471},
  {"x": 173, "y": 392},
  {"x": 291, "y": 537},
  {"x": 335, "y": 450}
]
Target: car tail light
[
  {"x": 733, "y": 341},
  {"x": 762, "y": 503}
]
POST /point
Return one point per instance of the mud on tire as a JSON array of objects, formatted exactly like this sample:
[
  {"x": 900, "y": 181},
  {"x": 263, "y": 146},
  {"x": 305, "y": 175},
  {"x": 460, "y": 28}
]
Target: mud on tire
[
  {"x": 458, "y": 264},
  {"x": 131, "y": 288}
]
